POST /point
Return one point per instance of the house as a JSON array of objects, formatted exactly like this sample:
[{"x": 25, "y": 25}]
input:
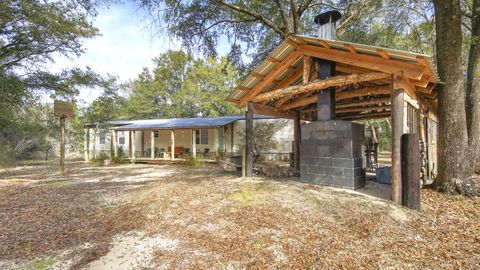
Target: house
[{"x": 210, "y": 138}]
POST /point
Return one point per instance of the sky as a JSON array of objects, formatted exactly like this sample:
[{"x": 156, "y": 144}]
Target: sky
[{"x": 123, "y": 49}]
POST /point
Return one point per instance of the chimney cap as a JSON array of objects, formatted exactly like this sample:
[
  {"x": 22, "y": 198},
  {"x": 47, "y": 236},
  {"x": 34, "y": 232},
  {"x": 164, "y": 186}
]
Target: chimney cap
[{"x": 325, "y": 17}]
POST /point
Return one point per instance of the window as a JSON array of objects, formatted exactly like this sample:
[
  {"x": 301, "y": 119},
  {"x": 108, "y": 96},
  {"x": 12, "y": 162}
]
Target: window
[
  {"x": 201, "y": 136},
  {"x": 102, "y": 138},
  {"x": 412, "y": 119},
  {"x": 121, "y": 138},
  {"x": 155, "y": 133}
]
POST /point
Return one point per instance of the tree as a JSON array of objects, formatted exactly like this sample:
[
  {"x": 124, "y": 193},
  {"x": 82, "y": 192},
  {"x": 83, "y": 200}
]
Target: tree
[
  {"x": 453, "y": 142},
  {"x": 473, "y": 87},
  {"x": 181, "y": 86}
]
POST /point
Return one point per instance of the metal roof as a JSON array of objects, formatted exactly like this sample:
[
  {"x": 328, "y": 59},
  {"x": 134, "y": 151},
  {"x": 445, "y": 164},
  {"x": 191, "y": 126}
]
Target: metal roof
[
  {"x": 285, "y": 49},
  {"x": 187, "y": 123}
]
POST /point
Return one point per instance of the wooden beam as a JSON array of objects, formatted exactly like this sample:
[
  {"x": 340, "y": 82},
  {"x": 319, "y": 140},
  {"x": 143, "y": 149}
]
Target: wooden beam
[
  {"x": 273, "y": 60},
  {"x": 268, "y": 110},
  {"x": 244, "y": 89},
  {"x": 320, "y": 84},
  {"x": 249, "y": 140},
  {"x": 292, "y": 42},
  {"x": 269, "y": 79},
  {"x": 350, "y": 48},
  {"x": 411, "y": 70},
  {"x": 363, "y": 103},
  {"x": 365, "y": 116},
  {"x": 363, "y": 109},
  {"x": 367, "y": 91},
  {"x": 258, "y": 75},
  {"x": 325, "y": 44},
  {"x": 287, "y": 82},
  {"x": 397, "y": 131},
  {"x": 383, "y": 54},
  {"x": 300, "y": 102},
  {"x": 307, "y": 67}
]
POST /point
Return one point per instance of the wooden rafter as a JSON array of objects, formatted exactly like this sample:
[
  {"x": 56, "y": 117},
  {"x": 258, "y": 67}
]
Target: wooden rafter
[
  {"x": 299, "y": 102},
  {"x": 365, "y": 116},
  {"x": 292, "y": 78},
  {"x": 307, "y": 68},
  {"x": 362, "y": 109},
  {"x": 367, "y": 91},
  {"x": 350, "y": 48},
  {"x": 258, "y": 75},
  {"x": 363, "y": 103},
  {"x": 321, "y": 84},
  {"x": 280, "y": 68},
  {"x": 411, "y": 70},
  {"x": 325, "y": 44},
  {"x": 273, "y": 60},
  {"x": 268, "y": 110},
  {"x": 383, "y": 54}
]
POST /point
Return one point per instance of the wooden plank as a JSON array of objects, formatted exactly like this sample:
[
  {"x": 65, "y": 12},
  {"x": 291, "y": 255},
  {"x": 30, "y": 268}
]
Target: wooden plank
[
  {"x": 363, "y": 109},
  {"x": 364, "y": 103},
  {"x": 367, "y": 91},
  {"x": 249, "y": 141},
  {"x": 273, "y": 60},
  {"x": 365, "y": 116},
  {"x": 268, "y": 110},
  {"x": 244, "y": 89},
  {"x": 383, "y": 54},
  {"x": 320, "y": 84},
  {"x": 258, "y": 75},
  {"x": 325, "y": 44},
  {"x": 411, "y": 171},
  {"x": 62, "y": 108},
  {"x": 298, "y": 71},
  {"x": 307, "y": 67},
  {"x": 350, "y": 48},
  {"x": 410, "y": 70},
  {"x": 269, "y": 79},
  {"x": 292, "y": 42},
  {"x": 62, "y": 144},
  {"x": 397, "y": 131},
  {"x": 300, "y": 102}
]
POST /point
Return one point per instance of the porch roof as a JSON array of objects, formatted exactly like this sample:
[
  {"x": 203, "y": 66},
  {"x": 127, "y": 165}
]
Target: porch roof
[{"x": 185, "y": 123}]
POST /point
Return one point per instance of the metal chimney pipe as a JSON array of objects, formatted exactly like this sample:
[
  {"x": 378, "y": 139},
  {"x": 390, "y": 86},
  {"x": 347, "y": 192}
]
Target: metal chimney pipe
[{"x": 327, "y": 23}]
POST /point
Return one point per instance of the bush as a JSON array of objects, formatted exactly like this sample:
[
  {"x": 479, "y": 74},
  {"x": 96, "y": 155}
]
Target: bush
[
  {"x": 99, "y": 160},
  {"x": 192, "y": 162},
  {"x": 121, "y": 157}
]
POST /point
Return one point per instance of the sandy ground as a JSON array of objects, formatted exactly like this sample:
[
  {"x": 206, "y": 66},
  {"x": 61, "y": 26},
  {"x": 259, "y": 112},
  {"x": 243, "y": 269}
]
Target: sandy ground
[{"x": 178, "y": 217}]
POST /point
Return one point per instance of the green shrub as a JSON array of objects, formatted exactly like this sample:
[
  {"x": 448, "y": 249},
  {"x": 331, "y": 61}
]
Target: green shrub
[
  {"x": 121, "y": 157},
  {"x": 99, "y": 160},
  {"x": 192, "y": 162}
]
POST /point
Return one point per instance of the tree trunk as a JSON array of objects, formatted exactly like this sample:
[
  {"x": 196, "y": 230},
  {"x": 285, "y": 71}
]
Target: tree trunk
[
  {"x": 453, "y": 143},
  {"x": 374, "y": 132},
  {"x": 473, "y": 89}
]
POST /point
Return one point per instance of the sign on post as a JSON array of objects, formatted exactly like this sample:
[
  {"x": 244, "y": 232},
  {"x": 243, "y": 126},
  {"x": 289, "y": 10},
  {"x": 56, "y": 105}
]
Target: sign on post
[{"x": 63, "y": 110}]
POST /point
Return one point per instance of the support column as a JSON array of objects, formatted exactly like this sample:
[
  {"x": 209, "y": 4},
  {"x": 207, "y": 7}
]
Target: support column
[
  {"x": 134, "y": 155},
  {"x": 143, "y": 142},
  {"x": 326, "y": 97},
  {"x": 172, "y": 144},
  {"x": 86, "y": 146},
  {"x": 130, "y": 144},
  {"x": 114, "y": 142},
  {"x": 397, "y": 131},
  {"x": 296, "y": 142},
  {"x": 152, "y": 144},
  {"x": 249, "y": 140},
  {"x": 62, "y": 144},
  {"x": 194, "y": 143}
]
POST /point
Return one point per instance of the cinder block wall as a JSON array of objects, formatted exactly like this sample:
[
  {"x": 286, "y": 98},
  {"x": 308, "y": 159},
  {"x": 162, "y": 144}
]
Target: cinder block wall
[{"x": 331, "y": 154}]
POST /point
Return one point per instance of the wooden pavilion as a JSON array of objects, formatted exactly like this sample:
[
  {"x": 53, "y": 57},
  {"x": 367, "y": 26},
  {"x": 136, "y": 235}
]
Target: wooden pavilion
[{"x": 366, "y": 82}]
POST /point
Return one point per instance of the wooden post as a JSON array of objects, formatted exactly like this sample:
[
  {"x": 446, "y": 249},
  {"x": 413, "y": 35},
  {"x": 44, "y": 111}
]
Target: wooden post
[
  {"x": 410, "y": 171},
  {"x": 87, "y": 144},
  {"x": 172, "y": 144},
  {"x": 152, "y": 144},
  {"x": 397, "y": 131},
  {"x": 249, "y": 141},
  {"x": 130, "y": 143},
  {"x": 115, "y": 143},
  {"x": 62, "y": 144},
  {"x": 134, "y": 155},
  {"x": 244, "y": 162},
  {"x": 143, "y": 143},
  {"x": 194, "y": 143},
  {"x": 296, "y": 142}
]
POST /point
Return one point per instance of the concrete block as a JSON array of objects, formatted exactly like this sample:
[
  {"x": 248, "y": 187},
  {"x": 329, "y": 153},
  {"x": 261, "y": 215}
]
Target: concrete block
[{"x": 343, "y": 162}]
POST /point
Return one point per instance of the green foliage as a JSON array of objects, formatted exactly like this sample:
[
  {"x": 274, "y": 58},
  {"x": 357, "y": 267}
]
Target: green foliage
[
  {"x": 181, "y": 86},
  {"x": 121, "y": 157},
  {"x": 99, "y": 160},
  {"x": 263, "y": 140},
  {"x": 192, "y": 162}
]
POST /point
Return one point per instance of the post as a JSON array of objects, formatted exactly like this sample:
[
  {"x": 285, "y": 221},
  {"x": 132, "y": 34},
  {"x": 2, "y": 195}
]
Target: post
[
  {"x": 87, "y": 144},
  {"x": 410, "y": 171},
  {"x": 62, "y": 144},
  {"x": 134, "y": 156},
  {"x": 152, "y": 144},
  {"x": 194, "y": 143},
  {"x": 326, "y": 97},
  {"x": 249, "y": 141},
  {"x": 130, "y": 143},
  {"x": 296, "y": 142},
  {"x": 397, "y": 131},
  {"x": 143, "y": 143},
  {"x": 244, "y": 155},
  {"x": 172, "y": 144},
  {"x": 113, "y": 142}
]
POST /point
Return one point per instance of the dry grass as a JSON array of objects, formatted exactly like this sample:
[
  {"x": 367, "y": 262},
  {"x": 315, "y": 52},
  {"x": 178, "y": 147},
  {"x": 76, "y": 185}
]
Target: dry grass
[{"x": 222, "y": 221}]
